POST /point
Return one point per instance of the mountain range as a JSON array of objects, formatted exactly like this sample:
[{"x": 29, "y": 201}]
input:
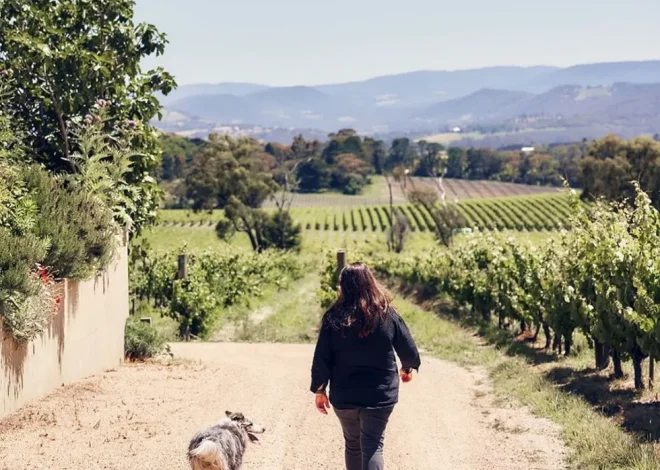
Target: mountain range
[{"x": 609, "y": 95}]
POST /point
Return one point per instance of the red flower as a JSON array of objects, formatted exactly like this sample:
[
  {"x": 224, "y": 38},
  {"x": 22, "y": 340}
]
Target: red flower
[{"x": 44, "y": 275}]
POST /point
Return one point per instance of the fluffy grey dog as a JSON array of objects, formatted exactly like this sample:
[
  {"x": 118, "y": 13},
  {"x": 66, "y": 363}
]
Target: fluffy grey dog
[{"x": 221, "y": 447}]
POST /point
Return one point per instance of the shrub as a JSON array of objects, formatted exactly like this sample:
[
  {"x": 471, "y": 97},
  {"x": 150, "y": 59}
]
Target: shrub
[
  {"x": 142, "y": 341},
  {"x": 17, "y": 210},
  {"x": 280, "y": 231},
  {"x": 25, "y": 301},
  {"x": 215, "y": 280},
  {"x": 18, "y": 256},
  {"x": 79, "y": 229},
  {"x": 353, "y": 185},
  {"x": 398, "y": 233}
]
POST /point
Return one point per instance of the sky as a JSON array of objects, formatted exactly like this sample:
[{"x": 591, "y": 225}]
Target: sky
[{"x": 312, "y": 42}]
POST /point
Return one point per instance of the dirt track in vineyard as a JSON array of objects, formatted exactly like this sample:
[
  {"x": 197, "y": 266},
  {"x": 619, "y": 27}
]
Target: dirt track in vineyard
[{"x": 142, "y": 416}]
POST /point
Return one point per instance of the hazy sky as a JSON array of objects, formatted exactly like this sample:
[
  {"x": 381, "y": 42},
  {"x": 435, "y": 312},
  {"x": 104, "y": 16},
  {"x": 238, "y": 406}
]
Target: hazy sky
[{"x": 307, "y": 42}]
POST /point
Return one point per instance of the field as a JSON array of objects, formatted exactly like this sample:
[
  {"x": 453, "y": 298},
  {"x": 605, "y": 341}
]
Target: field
[
  {"x": 448, "y": 138},
  {"x": 457, "y": 190},
  {"x": 530, "y": 213}
]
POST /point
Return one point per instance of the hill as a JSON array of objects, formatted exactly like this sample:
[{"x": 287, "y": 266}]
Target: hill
[
  {"x": 601, "y": 104},
  {"x": 424, "y": 101},
  {"x": 481, "y": 105}
]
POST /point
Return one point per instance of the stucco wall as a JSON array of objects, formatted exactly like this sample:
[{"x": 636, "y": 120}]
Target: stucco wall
[{"x": 85, "y": 338}]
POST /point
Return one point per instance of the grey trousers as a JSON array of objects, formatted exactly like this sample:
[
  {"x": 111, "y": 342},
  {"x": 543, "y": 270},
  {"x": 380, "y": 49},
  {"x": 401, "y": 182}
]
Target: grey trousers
[{"x": 364, "y": 433}]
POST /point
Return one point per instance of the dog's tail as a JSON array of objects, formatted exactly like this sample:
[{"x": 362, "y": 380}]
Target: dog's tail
[{"x": 206, "y": 454}]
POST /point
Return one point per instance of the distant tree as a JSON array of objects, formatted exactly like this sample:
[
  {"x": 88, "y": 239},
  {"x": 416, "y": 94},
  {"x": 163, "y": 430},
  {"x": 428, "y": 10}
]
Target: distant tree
[
  {"x": 331, "y": 150},
  {"x": 177, "y": 155},
  {"x": 353, "y": 144},
  {"x": 229, "y": 167},
  {"x": 456, "y": 162},
  {"x": 65, "y": 55},
  {"x": 398, "y": 233},
  {"x": 229, "y": 174},
  {"x": 402, "y": 153},
  {"x": 302, "y": 148},
  {"x": 344, "y": 141},
  {"x": 568, "y": 159},
  {"x": 612, "y": 164},
  {"x": 431, "y": 161},
  {"x": 299, "y": 147},
  {"x": 446, "y": 217},
  {"x": 343, "y": 133},
  {"x": 484, "y": 163},
  {"x": 375, "y": 154},
  {"x": 543, "y": 170},
  {"x": 172, "y": 167},
  {"x": 282, "y": 232},
  {"x": 281, "y": 153},
  {"x": 267, "y": 160},
  {"x": 349, "y": 174},
  {"x": 511, "y": 169},
  {"x": 313, "y": 175}
]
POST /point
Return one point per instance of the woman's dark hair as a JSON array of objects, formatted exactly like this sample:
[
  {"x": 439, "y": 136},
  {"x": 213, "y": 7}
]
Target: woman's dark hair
[{"x": 362, "y": 300}]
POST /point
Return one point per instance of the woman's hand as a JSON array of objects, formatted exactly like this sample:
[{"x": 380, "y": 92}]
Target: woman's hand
[
  {"x": 322, "y": 402},
  {"x": 406, "y": 376}
]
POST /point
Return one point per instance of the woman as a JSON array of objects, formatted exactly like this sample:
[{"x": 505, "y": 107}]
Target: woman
[{"x": 355, "y": 355}]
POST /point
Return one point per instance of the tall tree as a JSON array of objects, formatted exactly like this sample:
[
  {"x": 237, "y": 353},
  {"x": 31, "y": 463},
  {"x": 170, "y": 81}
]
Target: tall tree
[
  {"x": 177, "y": 156},
  {"x": 313, "y": 175},
  {"x": 229, "y": 174},
  {"x": 456, "y": 162},
  {"x": 430, "y": 159},
  {"x": 402, "y": 153},
  {"x": 344, "y": 141},
  {"x": 228, "y": 167},
  {"x": 613, "y": 164},
  {"x": 63, "y": 56},
  {"x": 349, "y": 174},
  {"x": 375, "y": 153}
]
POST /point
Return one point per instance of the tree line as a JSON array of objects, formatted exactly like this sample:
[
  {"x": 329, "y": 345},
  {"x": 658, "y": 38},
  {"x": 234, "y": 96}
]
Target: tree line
[{"x": 347, "y": 160}]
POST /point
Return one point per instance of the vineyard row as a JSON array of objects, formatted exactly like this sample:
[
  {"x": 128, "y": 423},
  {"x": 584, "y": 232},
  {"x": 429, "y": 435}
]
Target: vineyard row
[{"x": 547, "y": 212}]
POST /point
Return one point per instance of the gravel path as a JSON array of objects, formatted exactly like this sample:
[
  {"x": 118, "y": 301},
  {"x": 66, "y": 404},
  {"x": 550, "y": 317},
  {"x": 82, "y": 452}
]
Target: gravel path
[{"x": 142, "y": 417}]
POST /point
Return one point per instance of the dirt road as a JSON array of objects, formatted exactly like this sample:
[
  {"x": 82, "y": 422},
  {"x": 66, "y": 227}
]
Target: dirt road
[{"x": 142, "y": 417}]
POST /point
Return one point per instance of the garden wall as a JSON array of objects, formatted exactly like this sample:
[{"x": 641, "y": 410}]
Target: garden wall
[{"x": 85, "y": 338}]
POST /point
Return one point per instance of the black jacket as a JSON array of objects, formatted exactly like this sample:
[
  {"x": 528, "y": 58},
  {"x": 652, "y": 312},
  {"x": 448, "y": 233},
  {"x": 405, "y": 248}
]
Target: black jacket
[{"x": 362, "y": 372}]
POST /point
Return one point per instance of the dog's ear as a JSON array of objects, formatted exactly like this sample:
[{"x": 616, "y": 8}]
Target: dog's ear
[{"x": 228, "y": 413}]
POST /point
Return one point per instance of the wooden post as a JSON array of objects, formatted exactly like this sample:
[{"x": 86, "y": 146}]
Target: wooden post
[
  {"x": 182, "y": 271},
  {"x": 651, "y": 373},
  {"x": 341, "y": 260}
]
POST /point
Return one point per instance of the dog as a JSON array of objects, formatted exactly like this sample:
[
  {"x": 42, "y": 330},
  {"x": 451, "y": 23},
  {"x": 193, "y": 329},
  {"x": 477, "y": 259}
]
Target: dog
[{"x": 221, "y": 447}]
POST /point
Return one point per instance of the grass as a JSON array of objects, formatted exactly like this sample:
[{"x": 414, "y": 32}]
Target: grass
[
  {"x": 595, "y": 442},
  {"x": 442, "y": 338},
  {"x": 289, "y": 316},
  {"x": 166, "y": 238},
  {"x": 521, "y": 371},
  {"x": 196, "y": 239}
]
